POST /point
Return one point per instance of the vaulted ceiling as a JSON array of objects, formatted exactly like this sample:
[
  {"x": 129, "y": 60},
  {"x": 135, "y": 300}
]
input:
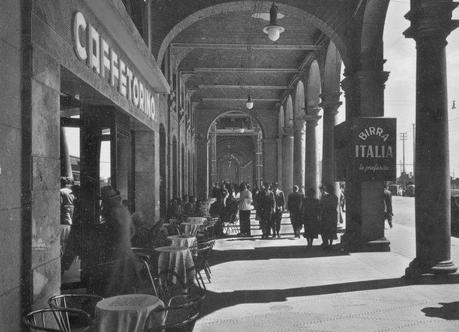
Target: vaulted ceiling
[{"x": 223, "y": 58}]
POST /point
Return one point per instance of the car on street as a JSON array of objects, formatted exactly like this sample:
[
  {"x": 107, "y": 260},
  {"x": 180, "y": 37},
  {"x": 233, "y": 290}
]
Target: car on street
[
  {"x": 409, "y": 191},
  {"x": 396, "y": 189}
]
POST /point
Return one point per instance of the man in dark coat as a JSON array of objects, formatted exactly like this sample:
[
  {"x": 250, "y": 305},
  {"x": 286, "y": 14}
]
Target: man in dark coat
[
  {"x": 311, "y": 216},
  {"x": 279, "y": 208},
  {"x": 388, "y": 206},
  {"x": 294, "y": 203},
  {"x": 266, "y": 203}
]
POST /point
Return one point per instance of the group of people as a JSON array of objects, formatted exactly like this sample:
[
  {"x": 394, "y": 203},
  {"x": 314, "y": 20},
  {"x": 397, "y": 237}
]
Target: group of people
[
  {"x": 318, "y": 216},
  {"x": 225, "y": 206},
  {"x": 188, "y": 206}
]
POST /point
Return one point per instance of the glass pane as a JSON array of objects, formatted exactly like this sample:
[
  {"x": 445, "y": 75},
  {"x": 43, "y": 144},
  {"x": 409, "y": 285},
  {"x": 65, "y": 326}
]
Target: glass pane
[{"x": 105, "y": 164}]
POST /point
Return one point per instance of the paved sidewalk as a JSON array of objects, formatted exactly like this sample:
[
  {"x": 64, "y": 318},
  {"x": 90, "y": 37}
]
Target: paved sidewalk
[{"x": 280, "y": 285}]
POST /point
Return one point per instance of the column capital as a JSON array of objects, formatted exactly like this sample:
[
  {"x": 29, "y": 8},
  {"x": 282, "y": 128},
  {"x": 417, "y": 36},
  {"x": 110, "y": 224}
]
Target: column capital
[
  {"x": 353, "y": 80},
  {"x": 431, "y": 19},
  {"x": 270, "y": 140},
  {"x": 287, "y": 131},
  {"x": 330, "y": 97},
  {"x": 298, "y": 125},
  {"x": 312, "y": 115},
  {"x": 330, "y": 107}
]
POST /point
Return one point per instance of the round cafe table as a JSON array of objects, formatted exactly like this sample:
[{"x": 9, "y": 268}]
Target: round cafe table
[
  {"x": 189, "y": 228},
  {"x": 182, "y": 240},
  {"x": 196, "y": 220},
  {"x": 178, "y": 259},
  {"x": 129, "y": 313}
]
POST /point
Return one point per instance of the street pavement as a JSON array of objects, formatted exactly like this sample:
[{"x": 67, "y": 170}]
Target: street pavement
[{"x": 280, "y": 285}]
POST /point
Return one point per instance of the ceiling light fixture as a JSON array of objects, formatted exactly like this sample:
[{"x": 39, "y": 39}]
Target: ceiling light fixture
[
  {"x": 249, "y": 103},
  {"x": 273, "y": 30}
]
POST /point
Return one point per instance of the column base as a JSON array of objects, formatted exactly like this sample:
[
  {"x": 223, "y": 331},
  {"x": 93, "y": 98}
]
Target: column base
[
  {"x": 353, "y": 243},
  {"x": 418, "y": 269}
]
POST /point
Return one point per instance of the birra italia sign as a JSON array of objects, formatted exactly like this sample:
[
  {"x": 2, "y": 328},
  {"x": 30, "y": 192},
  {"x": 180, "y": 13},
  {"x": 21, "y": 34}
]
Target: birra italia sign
[
  {"x": 366, "y": 149},
  {"x": 92, "y": 48}
]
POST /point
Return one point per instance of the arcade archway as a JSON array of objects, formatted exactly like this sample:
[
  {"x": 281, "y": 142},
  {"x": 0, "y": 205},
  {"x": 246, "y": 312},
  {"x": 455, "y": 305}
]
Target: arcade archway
[{"x": 235, "y": 149}]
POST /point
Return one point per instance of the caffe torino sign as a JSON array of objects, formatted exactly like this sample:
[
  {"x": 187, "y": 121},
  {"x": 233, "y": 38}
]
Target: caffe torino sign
[
  {"x": 369, "y": 146},
  {"x": 100, "y": 57}
]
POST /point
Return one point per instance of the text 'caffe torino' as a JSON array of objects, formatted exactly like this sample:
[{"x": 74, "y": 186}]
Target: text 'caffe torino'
[
  {"x": 367, "y": 146},
  {"x": 103, "y": 59}
]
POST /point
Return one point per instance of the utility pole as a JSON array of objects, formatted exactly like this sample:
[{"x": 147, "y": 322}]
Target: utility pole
[
  {"x": 414, "y": 148},
  {"x": 403, "y": 137}
]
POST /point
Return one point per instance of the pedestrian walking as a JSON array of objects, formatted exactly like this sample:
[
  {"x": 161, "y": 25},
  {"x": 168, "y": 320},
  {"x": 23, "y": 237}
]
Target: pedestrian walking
[
  {"x": 311, "y": 216},
  {"x": 266, "y": 203},
  {"x": 294, "y": 206},
  {"x": 245, "y": 207},
  {"x": 328, "y": 215},
  {"x": 278, "y": 209},
  {"x": 342, "y": 204},
  {"x": 388, "y": 206}
]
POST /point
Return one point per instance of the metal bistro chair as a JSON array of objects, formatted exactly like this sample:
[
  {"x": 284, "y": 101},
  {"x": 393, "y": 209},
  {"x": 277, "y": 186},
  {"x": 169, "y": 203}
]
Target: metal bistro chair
[
  {"x": 194, "y": 249},
  {"x": 146, "y": 257},
  {"x": 84, "y": 302},
  {"x": 202, "y": 259},
  {"x": 181, "y": 312},
  {"x": 232, "y": 226},
  {"x": 58, "y": 320},
  {"x": 170, "y": 285}
]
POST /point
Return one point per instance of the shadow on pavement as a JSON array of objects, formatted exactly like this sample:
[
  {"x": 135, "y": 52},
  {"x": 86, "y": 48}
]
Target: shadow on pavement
[
  {"x": 272, "y": 252},
  {"x": 217, "y": 301},
  {"x": 448, "y": 311}
]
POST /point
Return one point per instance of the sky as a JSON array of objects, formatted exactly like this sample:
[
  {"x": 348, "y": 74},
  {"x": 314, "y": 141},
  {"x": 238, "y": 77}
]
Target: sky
[{"x": 400, "y": 91}]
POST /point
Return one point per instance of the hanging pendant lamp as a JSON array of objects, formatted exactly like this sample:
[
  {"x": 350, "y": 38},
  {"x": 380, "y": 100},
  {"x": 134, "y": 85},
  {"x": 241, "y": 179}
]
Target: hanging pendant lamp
[
  {"x": 273, "y": 30},
  {"x": 249, "y": 103}
]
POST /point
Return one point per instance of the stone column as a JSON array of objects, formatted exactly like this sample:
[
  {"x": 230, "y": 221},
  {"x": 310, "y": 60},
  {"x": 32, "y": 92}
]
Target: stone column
[
  {"x": 259, "y": 159},
  {"x": 43, "y": 179},
  {"x": 202, "y": 168},
  {"x": 298, "y": 152},
  {"x": 213, "y": 156},
  {"x": 330, "y": 104},
  {"x": 311, "y": 119},
  {"x": 145, "y": 174},
  {"x": 430, "y": 25},
  {"x": 287, "y": 160},
  {"x": 269, "y": 159},
  {"x": 280, "y": 161},
  {"x": 364, "y": 92}
]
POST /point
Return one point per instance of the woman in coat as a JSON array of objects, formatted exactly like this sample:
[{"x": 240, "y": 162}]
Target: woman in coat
[{"x": 117, "y": 270}]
